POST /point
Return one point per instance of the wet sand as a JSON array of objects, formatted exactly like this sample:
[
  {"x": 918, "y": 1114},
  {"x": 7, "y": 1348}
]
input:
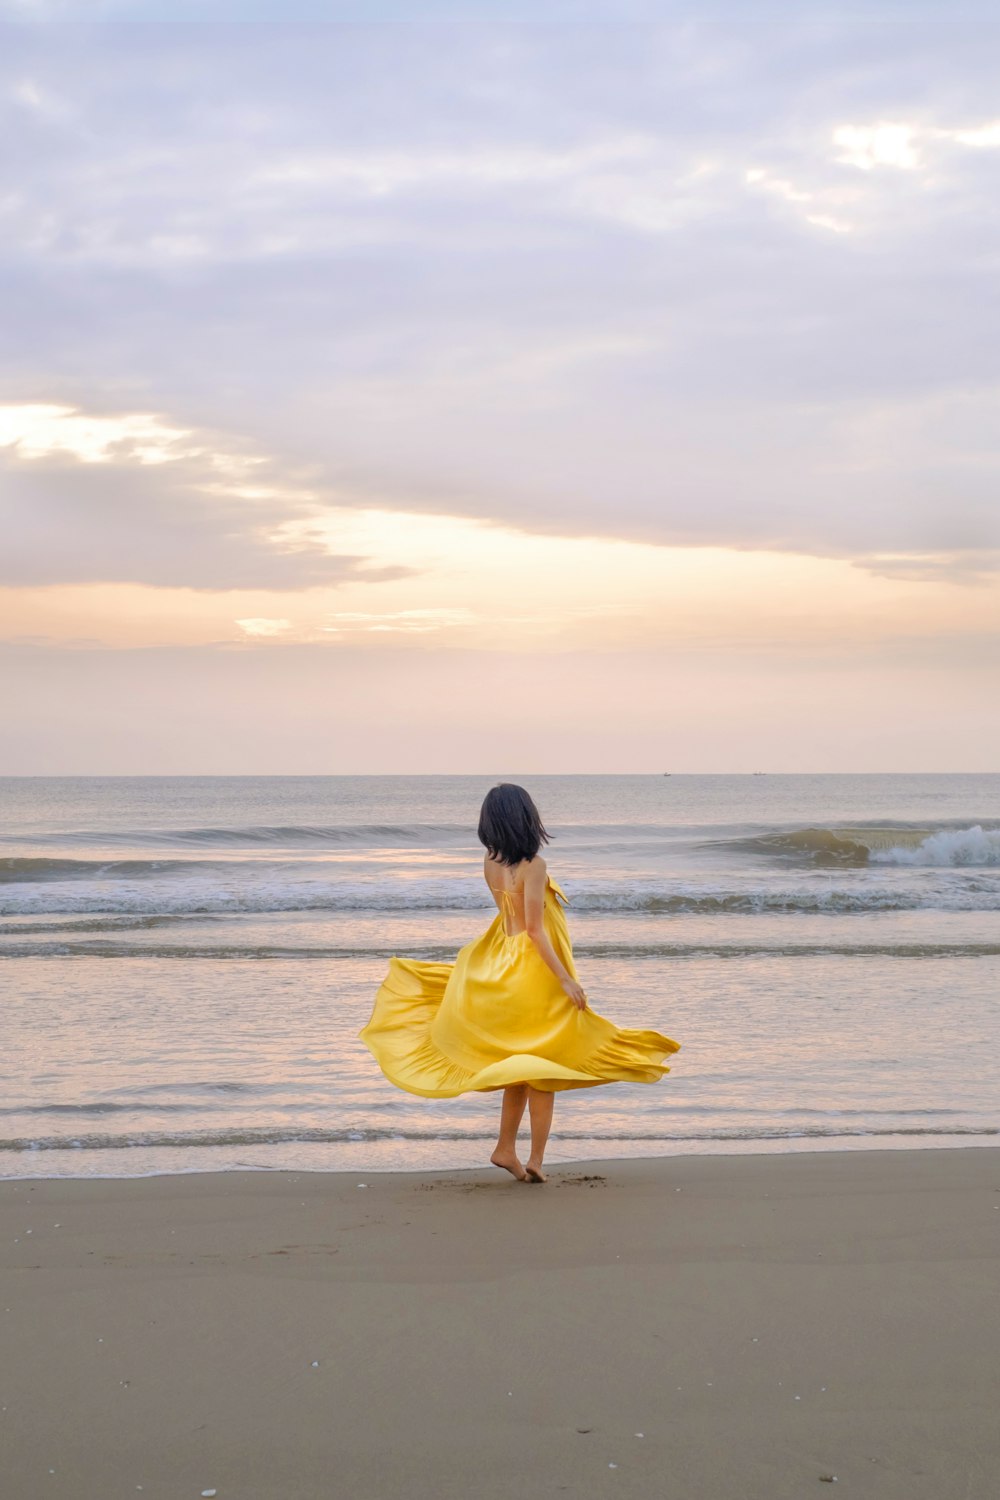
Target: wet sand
[{"x": 715, "y": 1328}]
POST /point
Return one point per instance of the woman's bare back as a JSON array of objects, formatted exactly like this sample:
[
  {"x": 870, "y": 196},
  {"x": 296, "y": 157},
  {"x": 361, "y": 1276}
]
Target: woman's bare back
[{"x": 507, "y": 879}]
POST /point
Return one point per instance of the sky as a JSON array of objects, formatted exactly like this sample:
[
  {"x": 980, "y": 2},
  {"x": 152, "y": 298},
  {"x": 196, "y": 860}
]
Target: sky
[{"x": 569, "y": 388}]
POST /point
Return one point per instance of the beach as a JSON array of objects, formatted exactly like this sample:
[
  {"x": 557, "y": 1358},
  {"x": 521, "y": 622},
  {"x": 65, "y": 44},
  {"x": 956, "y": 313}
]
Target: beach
[
  {"x": 499, "y": 622},
  {"x": 235, "y": 1259},
  {"x": 698, "y": 1327}
]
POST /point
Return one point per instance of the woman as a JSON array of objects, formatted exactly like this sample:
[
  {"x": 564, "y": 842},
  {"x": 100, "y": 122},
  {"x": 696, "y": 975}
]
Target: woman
[{"x": 509, "y": 1013}]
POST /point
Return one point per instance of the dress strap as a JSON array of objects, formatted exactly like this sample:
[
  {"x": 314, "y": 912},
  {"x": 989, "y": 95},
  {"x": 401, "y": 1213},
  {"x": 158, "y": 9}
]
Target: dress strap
[
  {"x": 508, "y": 940},
  {"x": 506, "y": 898}
]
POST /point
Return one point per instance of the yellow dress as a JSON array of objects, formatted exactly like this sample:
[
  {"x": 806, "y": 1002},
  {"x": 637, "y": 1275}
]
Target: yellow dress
[{"x": 498, "y": 1015}]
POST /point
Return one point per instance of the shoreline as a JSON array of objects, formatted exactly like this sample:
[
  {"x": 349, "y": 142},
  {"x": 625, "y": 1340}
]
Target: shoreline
[
  {"x": 763, "y": 1147},
  {"x": 700, "y": 1325}
]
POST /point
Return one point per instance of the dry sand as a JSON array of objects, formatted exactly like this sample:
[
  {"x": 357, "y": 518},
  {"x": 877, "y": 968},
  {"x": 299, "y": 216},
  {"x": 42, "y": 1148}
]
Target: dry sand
[{"x": 720, "y": 1328}]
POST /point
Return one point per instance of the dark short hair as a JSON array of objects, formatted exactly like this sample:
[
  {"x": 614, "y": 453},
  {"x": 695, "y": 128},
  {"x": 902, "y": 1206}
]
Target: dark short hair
[{"x": 510, "y": 825}]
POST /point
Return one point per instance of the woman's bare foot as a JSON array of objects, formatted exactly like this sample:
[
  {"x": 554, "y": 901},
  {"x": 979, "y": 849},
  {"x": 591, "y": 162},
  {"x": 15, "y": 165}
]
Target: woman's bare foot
[
  {"x": 534, "y": 1174},
  {"x": 508, "y": 1160}
]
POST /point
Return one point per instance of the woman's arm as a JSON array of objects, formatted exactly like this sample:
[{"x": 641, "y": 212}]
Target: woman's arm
[{"x": 534, "y": 921}]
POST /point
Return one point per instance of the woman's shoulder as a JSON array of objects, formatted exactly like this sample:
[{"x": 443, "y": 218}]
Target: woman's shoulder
[{"x": 525, "y": 869}]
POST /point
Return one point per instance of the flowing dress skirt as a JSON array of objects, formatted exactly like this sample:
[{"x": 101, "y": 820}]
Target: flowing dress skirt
[{"x": 497, "y": 1016}]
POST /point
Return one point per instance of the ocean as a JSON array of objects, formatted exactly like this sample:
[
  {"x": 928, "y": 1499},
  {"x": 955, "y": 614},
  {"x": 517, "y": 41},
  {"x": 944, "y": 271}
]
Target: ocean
[{"x": 185, "y": 963}]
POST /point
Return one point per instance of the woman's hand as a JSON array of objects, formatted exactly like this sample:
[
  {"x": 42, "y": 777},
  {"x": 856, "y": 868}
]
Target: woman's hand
[{"x": 576, "y": 993}]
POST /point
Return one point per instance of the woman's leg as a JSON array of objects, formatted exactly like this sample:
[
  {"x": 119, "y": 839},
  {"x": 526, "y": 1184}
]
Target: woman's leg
[
  {"x": 514, "y": 1099},
  {"x": 540, "y": 1106}
]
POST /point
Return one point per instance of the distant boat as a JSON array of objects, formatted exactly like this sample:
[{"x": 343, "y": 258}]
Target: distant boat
[{"x": 666, "y": 773}]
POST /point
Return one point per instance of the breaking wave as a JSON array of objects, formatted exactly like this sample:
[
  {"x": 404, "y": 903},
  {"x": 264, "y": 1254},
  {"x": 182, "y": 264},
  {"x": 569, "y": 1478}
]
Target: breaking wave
[
  {"x": 889, "y": 845},
  {"x": 962, "y": 847}
]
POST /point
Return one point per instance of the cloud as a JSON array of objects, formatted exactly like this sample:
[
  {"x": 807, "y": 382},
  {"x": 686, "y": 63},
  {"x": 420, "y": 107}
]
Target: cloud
[
  {"x": 265, "y": 628},
  {"x": 129, "y": 498},
  {"x": 987, "y": 136},
  {"x": 690, "y": 283},
  {"x": 396, "y": 622},
  {"x": 882, "y": 145},
  {"x": 792, "y": 194},
  {"x": 958, "y": 567},
  {"x": 35, "y": 431}
]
